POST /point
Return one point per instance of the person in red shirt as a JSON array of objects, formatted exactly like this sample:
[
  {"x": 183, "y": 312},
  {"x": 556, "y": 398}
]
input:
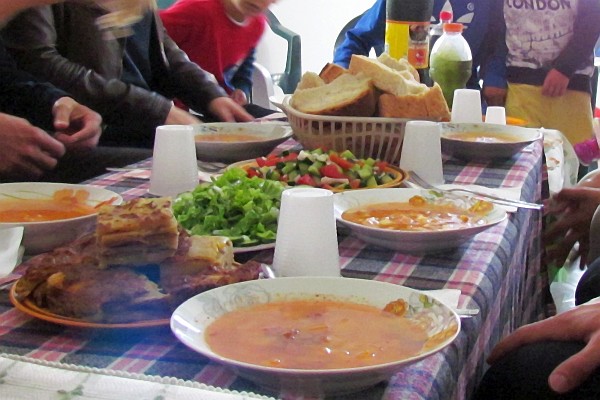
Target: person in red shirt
[{"x": 221, "y": 37}]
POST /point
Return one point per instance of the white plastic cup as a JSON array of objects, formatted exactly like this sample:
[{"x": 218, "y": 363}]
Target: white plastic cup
[
  {"x": 306, "y": 243},
  {"x": 174, "y": 165},
  {"x": 495, "y": 115},
  {"x": 422, "y": 151},
  {"x": 466, "y": 106}
]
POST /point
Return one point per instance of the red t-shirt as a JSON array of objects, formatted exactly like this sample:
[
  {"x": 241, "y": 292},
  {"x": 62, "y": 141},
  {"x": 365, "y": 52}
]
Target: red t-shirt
[{"x": 210, "y": 38}]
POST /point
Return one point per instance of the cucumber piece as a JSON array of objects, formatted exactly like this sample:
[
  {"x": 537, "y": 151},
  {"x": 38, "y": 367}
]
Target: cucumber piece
[
  {"x": 348, "y": 155},
  {"x": 371, "y": 182}
]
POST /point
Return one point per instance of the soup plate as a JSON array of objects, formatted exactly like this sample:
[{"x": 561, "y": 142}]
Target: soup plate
[
  {"x": 417, "y": 242},
  {"x": 230, "y": 142},
  {"x": 486, "y": 141},
  {"x": 43, "y": 236},
  {"x": 191, "y": 319}
]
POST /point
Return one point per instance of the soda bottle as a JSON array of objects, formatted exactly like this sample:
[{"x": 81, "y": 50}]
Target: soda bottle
[
  {"x": 407, "y": 32},
  {"x": 451, "y": 61},
  {"x": 437, "y": 30}
]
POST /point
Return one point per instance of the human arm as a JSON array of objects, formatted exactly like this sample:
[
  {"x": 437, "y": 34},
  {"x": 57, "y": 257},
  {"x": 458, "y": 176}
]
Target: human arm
[
  {"x": 493, "y": 68},
  {"x": 573, "y": 209},
  {"x": 369, "y": 32},
  {"x": 580, "y": 324}
]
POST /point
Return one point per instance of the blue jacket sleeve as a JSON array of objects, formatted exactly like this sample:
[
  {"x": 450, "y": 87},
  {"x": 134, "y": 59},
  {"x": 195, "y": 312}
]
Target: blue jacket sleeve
[
  {"x": 493, "y": 69},
  {"x": 368, "y": 33},
  {"x": 243, "y": 76}
]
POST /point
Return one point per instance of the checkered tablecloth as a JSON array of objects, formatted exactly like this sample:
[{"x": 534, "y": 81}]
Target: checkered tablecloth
[{"x": 498, "y": 271}]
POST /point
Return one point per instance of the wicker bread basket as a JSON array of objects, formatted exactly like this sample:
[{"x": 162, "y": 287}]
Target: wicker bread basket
[{"x": 375, "y": 137}]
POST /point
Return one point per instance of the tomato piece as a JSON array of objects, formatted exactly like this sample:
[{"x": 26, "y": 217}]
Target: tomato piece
[
  {"x": 332, "y": 171},
  {"x": 382, "y": 165},
  {"x": 251, "y": 172},
  {"x": 289, "y": 157},
  {"x": 342, "y": 162},
  {"x": 354, "y": 183},
  {"x": 306, "y": 179}
]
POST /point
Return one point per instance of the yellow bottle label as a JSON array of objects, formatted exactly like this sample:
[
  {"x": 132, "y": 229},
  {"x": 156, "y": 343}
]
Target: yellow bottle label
[
  {"x": 408, "y": 40},
  {"x": 396, "y": 38}
]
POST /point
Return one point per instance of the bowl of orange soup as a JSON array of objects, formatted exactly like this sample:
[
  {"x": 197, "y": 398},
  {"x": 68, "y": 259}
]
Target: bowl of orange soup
[
  {"x": 52, "y": 214},
  {"x": 415, "y": 221},
  {"x": 483, "y": 141},
  {"x": 230, "y": 142},
  {"x": 298, "y": 334}
]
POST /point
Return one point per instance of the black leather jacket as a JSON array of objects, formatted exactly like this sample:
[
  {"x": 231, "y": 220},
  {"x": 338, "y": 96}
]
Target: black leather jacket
[{"x": 62, "y": 44}]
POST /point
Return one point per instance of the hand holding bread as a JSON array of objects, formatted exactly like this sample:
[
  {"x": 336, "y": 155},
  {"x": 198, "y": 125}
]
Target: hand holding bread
[{"x": 382, "y": 87}]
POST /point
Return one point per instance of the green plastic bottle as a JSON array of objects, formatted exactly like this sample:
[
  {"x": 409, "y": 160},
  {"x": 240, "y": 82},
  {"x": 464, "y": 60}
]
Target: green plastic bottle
[{"x": 451, "y": 61}]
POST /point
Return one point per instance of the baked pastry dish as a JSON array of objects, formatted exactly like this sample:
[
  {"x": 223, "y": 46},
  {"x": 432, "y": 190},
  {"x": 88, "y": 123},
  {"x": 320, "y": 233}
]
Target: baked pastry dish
[{"x": 93, "y": 281}]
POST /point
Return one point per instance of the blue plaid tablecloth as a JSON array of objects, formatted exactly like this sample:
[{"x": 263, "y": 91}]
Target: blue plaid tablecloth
[{"x": 499, "y": 272}]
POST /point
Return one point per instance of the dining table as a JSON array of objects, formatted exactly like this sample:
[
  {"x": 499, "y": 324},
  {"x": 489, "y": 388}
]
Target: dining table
[{"x": 499, "y": 272}]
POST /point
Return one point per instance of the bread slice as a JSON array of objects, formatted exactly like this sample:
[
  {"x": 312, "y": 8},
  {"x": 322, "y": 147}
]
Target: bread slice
[
  {"x": 386, "y": 79},
  {"x": 310, "y": 80},
  {"x": 402, "y": 65},
  {"x": 331, "y": 71},
  {"x": 429, "y": 104},
  {"x": 347, "y": 95}
]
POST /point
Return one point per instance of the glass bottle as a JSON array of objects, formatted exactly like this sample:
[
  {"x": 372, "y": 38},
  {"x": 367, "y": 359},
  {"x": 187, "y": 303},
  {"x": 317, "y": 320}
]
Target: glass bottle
[
  {"x": 451, "y": 61},
  {"x": 407, "y": 31}
]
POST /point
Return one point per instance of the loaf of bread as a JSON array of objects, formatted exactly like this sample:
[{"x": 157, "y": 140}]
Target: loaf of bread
[
  {"x": 428, "y": 104},
  {"x": 347, "y": 95},
  {"x": 386, "y": 79},
  {"x": 402, "y": 65}
]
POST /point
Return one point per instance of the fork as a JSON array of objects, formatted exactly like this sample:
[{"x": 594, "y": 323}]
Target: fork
[{"x": 417, "y": 180}]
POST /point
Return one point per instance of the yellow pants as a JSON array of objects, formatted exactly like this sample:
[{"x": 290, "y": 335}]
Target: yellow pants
[{"x": 570, "y": 114}]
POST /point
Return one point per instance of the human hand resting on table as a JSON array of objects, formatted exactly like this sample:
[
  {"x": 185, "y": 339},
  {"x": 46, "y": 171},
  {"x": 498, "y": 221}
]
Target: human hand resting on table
[
  {"x": 77, "y": 126},
  {"x": 574, "y": 208},
  {"x": 177, "y": 116},
  {"x": 26, "y": 151},
  {"x": 227, "y": 110},
  {"x": 579, "y": 324},
  {"x": 555, "y": 84}
]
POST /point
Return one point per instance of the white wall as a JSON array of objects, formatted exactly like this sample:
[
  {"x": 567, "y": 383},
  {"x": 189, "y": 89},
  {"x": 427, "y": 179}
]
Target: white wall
[{"x": 317, "y": 21}]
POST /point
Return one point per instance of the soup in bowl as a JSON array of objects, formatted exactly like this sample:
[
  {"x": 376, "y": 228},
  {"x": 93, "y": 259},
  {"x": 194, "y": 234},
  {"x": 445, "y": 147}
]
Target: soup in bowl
[
  {"x": 276, "y": 332},
  {"x": 51, "y": 214}
]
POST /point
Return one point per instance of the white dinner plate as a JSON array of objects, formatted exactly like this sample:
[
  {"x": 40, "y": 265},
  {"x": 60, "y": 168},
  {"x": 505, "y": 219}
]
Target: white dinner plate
[
  {"x": 406, "y": 241},
  {"x": 267, "y": 135},
  {"x": 511, "y": 140}
]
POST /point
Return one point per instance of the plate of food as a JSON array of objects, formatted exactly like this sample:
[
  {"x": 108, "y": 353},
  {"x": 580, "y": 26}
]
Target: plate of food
[
  {"x": 324, "y": 169},
  {"x": 414, "y": 220},
  {"x": 486, "y": 141},
  {"x": 138, "y": 244},
  {"x": 326, "y": 309},
  {"x": 230, "y": 142}
]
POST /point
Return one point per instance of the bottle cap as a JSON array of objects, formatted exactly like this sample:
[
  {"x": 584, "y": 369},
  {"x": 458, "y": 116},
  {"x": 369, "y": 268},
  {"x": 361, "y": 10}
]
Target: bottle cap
[
  {"x": 453, "y": 27},
  {"x": 445, "y": 16}
]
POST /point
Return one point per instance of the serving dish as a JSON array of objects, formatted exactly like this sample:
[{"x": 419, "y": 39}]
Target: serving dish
[
  {"x": 40, "y": 237},
  {"x": 493, "y": 141},
  {"x": 418, "y": 242},
  {"x": 190, "y": 321},
  {"x": 28, "y": 307},
  {"x": 258, "y": 140}
]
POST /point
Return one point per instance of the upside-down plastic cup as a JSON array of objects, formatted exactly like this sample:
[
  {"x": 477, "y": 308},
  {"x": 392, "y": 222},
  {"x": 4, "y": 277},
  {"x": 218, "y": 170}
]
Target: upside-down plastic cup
[
  {"x": 306, "y": 242},
  {"x": 495, "y": 115},
  {"x": 466, "y": 106},
  {"x": 174, "y": 165},
  {"x": 422, "y": 151}
]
